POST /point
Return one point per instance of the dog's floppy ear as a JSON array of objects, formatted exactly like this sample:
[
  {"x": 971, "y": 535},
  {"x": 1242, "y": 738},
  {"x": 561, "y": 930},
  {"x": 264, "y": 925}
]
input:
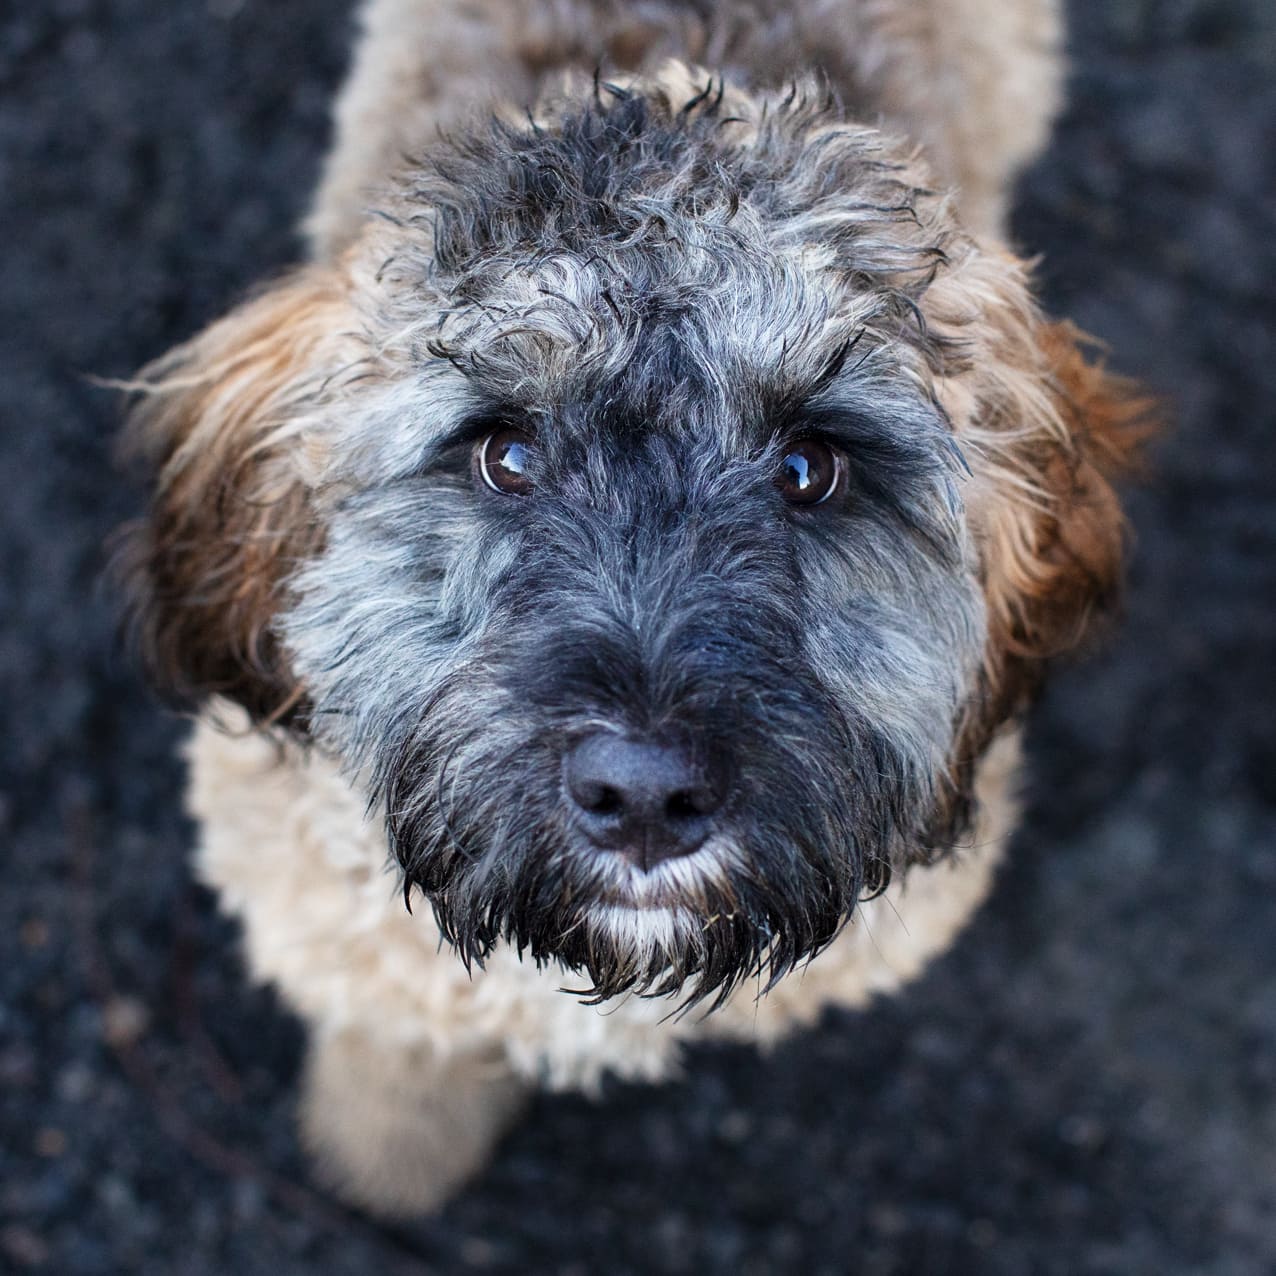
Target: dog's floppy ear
[
  {"x": 220, "y": 422},
  {"x": 1051, "y": 431},
  {"x": 1059, "y": 545}
]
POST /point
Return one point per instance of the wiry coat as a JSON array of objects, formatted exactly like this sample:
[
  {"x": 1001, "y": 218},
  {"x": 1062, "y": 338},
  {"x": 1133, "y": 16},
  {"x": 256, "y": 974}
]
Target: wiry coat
[{"x": 662, "y": 280}]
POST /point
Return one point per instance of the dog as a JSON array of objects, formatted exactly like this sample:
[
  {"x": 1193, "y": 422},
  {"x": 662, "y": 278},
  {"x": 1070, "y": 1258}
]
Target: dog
[{"x": 610, "y": 571}]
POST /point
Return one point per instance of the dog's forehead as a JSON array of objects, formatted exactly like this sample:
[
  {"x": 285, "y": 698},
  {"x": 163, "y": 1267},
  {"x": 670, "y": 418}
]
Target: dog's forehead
[
  {"x": 642, "y": 261},
  {"x": 631, "y": 241},
  {"x": 644, "y": 365}
]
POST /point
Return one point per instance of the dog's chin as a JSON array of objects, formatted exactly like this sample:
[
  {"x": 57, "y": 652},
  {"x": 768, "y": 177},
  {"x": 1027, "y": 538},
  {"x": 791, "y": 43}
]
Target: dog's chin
[
  {"x": 644, "y": 938},
  {"x": 691, "y": 928},
  {"x": 671, "y": 950}
]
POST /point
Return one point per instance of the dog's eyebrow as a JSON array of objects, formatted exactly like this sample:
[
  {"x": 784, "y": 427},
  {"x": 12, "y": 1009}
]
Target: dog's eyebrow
[
  {"x": 468, "y": 430},
  {"x": 835, "y": 365},
  {"x": 905, "y": 426},
  {"x": 472, "y": 427}
]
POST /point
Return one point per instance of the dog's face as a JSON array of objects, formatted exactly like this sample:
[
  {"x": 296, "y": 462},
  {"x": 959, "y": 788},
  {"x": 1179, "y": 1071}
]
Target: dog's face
[{"x": 658, "y": 510}]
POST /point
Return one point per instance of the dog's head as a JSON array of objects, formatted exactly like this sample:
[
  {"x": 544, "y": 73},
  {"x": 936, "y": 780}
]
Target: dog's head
[{"x": 659, "y": 510}]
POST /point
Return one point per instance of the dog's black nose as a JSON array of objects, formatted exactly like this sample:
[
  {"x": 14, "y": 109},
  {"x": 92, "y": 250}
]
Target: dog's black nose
[{"x": 651, "y": 802}]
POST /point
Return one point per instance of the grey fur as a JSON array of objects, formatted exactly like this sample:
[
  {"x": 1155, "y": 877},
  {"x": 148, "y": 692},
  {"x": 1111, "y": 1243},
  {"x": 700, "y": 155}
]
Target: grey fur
[{"x": 665, "y": 299}]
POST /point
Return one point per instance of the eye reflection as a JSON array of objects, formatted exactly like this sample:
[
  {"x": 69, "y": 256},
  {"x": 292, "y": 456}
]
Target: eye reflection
[
  {"x": 809, "y": 472},
  {"x": 503, "y": 460}
]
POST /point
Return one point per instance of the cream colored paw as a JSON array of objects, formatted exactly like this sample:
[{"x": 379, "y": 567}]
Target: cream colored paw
[{"x": 398, "y": 1131}]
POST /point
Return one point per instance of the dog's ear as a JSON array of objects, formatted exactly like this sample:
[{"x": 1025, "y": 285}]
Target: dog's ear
[
  {"x": 1058, "y": 536},
  {"x": 1051, "y": 431},
  {"x": 220, "y": 423},
  {"x": 1058, "y": 544}
]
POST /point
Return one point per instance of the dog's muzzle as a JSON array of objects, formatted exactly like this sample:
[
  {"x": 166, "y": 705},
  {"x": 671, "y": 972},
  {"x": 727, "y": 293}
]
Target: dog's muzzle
[{"x": 648, "y": 802}]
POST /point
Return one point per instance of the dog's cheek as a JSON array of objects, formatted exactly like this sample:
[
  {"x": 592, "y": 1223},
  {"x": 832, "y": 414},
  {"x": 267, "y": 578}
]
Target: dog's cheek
[
  {"x": 897, "y": 634},
  {"x": 393, "y": 615},
  {"x": 219, "y": 423}
]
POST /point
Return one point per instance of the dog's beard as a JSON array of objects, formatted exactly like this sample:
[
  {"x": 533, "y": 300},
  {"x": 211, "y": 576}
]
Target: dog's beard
[
  {"x": 480, "y": 829},
  {"x": 708, "y": 933}
]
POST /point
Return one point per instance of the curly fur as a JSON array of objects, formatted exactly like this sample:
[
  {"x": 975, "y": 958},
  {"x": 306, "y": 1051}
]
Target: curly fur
[{"x": 664, "y": 279}]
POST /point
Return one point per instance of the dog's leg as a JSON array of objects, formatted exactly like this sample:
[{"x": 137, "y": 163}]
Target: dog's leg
[{"x": 397, "y": 1129}]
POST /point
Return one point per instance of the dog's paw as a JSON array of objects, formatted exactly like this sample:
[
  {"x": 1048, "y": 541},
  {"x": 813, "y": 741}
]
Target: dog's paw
[{"x": 398, "y": 1131}]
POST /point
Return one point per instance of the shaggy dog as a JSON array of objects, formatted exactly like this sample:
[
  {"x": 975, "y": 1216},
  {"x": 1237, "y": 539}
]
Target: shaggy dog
[{"x": 632, "y": 536}]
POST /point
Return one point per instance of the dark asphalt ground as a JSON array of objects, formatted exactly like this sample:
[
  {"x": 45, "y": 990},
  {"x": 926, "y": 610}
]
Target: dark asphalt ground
[{"x": 1084, "y": 1085}]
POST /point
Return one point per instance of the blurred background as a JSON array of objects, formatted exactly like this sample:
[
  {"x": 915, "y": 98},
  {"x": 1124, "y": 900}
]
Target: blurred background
[{"x": 1085, "y": 1084}]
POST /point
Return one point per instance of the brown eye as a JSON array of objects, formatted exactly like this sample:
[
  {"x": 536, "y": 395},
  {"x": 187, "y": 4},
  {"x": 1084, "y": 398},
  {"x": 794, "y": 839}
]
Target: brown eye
[
  {"x": 502, "y": 461},
  {"x": 809, "y": 472}
]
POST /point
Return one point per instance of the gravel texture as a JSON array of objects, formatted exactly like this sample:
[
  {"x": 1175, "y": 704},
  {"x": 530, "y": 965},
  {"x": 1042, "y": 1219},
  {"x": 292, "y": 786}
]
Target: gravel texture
[{"x": 1084, "y": 1085}]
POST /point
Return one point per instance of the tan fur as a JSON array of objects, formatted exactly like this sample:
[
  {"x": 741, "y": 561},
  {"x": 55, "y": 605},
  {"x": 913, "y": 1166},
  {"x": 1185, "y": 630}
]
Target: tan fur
[
  {"x": 1045, "y": 433},
  {"x": 416, "y": 1066},
  {"x": 398, "y": 1129},
  {"x": 218, "y": 420}
]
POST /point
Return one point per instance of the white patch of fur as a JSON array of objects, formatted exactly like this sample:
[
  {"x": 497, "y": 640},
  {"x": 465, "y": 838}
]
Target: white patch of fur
[
  {"x": 647, "y": 936},
  {"x": 682, "y": 877}
]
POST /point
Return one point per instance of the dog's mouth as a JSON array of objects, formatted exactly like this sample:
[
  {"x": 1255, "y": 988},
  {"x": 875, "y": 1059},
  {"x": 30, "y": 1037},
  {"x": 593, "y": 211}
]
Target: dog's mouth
[
  {"x": 688, "y": 927},
  {"x": 696, "y": 884}
]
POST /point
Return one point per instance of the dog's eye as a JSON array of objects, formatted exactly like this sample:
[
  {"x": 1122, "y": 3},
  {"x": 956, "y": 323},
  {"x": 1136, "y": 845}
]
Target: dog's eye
[
  {"x": 502, "y": 462},
  {"x": 809, "y": 472}
]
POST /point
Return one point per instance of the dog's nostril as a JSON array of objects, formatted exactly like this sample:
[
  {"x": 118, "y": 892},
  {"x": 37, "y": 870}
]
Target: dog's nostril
[
  {"x": 689, "y": 804},
  {"x": 605, "y": 801},
  {"x": 649, "y": 801}
]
